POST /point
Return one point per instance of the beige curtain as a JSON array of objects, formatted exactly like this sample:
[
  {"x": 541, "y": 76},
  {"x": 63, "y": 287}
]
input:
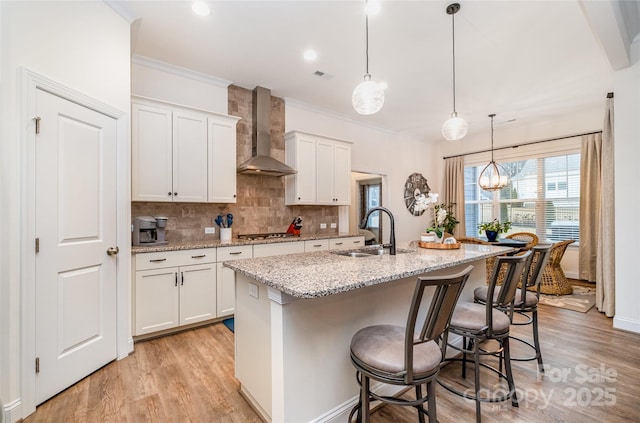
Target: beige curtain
[
  {"x": 454, "y": 190},
  {"x": 597, "y": 248},
  {"x": 590, "y": 193},
  {"x": 605, "y": 265}
]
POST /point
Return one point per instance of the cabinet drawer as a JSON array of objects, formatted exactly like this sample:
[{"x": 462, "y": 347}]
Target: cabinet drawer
[
  {"x": 350, "y": 242},
  {"x": 233, "y": 253},
  {"x": 277, "y": 249},
  {"x": 145, "y": 261},
  {"x": 316, "y": 245}
]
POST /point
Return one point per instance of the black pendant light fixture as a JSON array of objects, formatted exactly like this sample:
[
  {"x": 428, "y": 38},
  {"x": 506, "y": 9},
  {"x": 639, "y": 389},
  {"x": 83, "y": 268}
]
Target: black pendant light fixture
[
  {"x": 454, "y": 128},
  {"x": 368, "y": 96},
  {"x": 493, "y": 177}
]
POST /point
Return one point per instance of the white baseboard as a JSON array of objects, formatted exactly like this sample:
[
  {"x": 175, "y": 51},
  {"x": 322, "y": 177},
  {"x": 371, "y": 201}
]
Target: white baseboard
[
  {"x": 626, "y": 324},
  {"x": 12, "y": 412}
]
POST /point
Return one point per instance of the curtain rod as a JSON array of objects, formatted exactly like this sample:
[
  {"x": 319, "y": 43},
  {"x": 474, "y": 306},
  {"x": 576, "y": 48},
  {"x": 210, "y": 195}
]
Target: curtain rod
[{"x": 523, "y": 144}]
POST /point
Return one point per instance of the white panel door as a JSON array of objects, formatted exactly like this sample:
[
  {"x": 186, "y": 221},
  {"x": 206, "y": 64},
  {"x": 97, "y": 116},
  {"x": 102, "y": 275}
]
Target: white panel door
[
  {"x": 76, "y": 225},
  {"x": 189, "y": 157},
  {"x": 151, "y": 153},
  {"x": 197, "y": 293}
]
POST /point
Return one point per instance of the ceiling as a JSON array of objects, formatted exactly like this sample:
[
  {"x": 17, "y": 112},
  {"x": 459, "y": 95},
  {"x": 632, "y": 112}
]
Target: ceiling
[{"x": 532, "y": 61}]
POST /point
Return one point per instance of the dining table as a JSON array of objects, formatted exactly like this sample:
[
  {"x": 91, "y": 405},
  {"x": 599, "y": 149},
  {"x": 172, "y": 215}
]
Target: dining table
[{"x": 507, "y": 242}]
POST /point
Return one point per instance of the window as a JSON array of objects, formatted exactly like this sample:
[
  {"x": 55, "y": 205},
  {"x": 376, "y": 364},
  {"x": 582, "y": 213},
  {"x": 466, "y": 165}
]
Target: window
[{"x": 543, "y": 197}]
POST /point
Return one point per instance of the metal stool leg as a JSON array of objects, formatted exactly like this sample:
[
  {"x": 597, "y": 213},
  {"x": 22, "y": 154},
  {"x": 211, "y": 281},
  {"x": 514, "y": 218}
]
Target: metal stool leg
[
  {"x": 536, "y": 341},
  {"x": 507, "y": 365}
]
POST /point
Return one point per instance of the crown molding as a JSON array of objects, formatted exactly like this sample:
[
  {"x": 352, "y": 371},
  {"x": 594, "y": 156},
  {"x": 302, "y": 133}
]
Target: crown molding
[
  {"x": 179, "y": 71},
  {"x": 122, "y": 9},
  {"x": 327, "y": 112}
]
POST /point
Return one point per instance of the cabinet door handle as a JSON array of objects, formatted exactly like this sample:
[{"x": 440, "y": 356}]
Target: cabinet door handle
[
  {"x": 356, "y": 242},
  {"x": 157, "y": 260},
  {"x": 169, "y": 193},
  {"x": 181, "y": 278},
  {"x": 235, "y": 253},
  {"x": 317, "y": 246},
  {"x": 339, "y": 243},
  {"x": 200, "y": 256},
  {"x": 175, "y": 194},
  {"x": 176, "y": 276}
]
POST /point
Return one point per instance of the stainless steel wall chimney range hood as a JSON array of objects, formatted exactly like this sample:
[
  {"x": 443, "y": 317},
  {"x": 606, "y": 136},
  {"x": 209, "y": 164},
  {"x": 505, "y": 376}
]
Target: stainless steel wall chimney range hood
[{"x": 261, "y": 162}]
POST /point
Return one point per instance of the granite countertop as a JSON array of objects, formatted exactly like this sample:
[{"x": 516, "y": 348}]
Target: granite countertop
[
  {"x": 323, "y": 273},
  {"x": 214, "y": 243}
]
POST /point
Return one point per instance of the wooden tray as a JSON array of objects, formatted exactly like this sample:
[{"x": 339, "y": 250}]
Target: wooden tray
[{"x": 438, "y": 246}]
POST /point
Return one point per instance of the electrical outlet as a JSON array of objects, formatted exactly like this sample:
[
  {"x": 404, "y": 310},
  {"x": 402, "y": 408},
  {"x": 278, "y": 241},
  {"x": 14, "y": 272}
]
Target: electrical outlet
[
  {"x": 334, "y": 225},
  {"x": 323, "y": 226},
  {"x": 210, "y": 230},
  {"x": 253, "y": 290}
]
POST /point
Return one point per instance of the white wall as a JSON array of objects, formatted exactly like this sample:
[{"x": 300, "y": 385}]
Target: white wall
[
  {"x": 177, "y": 85},
  {"x": 84, "y": 46},
  {"x": 380, "y": 152},
  {"x": 627, "y": 175}
]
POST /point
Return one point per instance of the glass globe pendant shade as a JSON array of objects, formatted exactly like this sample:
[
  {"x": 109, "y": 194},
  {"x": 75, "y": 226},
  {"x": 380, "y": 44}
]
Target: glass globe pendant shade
[
  {"x": 493, "y": 177},
  {"x": 368, "y": 97},
  {"x": 454, "y": 128}
]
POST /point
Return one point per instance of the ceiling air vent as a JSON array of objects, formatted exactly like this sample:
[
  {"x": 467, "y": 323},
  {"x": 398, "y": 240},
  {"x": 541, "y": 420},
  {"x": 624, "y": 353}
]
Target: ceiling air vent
[{"x": 323, "y": 75}]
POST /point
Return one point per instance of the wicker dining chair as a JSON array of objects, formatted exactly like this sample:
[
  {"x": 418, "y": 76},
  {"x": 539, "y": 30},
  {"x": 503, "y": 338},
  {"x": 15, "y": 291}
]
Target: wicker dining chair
[
  {"x": 530, "y": 238},
  {"x": 554, "y": 280}
]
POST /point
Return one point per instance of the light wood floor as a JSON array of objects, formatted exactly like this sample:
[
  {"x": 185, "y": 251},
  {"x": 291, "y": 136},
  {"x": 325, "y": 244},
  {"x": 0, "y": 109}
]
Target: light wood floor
[{"x": 188, "y": 377}]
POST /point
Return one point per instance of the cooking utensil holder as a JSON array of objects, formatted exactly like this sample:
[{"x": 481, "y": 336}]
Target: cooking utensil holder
[{"x": 225, "y": 234}]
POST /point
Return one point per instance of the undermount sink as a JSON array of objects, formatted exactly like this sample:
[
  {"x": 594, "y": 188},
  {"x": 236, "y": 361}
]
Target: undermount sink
[{"x": 365, "y": 252}]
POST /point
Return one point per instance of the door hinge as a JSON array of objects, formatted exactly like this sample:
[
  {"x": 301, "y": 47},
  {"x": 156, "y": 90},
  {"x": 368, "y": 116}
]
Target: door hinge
[
  {"x": 37, "y": 364},
  {"x": 37, "y": 119},
  {"x": 37, "y": 245}
]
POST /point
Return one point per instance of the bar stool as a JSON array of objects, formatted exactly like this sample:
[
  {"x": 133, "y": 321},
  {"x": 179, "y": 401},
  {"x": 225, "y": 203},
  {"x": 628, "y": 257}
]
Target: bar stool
[
  {"x": 526, "y": 300},
  {"x": 403, "y": 356},
  {"x": 482, "y": 322}
]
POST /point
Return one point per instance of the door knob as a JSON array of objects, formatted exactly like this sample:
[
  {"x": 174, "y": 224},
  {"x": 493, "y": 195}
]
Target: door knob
[{"x": 112, "y": 251}]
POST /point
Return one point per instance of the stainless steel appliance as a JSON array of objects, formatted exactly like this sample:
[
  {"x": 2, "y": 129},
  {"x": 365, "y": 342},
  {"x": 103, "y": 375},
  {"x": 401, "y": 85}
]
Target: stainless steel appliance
[{"x": 149, "y": 230}]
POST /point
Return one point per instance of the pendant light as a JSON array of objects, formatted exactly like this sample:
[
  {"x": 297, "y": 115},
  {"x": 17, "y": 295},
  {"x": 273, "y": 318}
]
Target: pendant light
[
  {"x": 368, "y": 96},
  {"x": 493, "y": 177},
  {"x": 455, "y": 128}
]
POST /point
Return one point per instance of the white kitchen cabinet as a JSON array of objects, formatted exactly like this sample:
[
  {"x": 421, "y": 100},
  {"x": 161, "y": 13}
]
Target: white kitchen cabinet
[
  {"x": 222, "y": 159},
  {"x": 316, "y": 245},
  {"x": 226, "y": 278},
  {"x": 324, "y": 170},
  {"x": 346, "y": 243},
  {"x": 278, "y": 249},
  {"x": 181, "y": 154},
  {"x": 174, "y": 288}
]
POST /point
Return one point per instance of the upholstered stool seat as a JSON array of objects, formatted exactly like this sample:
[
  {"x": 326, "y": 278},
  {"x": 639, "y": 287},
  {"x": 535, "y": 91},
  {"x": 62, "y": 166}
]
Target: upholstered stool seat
[
  {"x": 473, "y": 317},
  {"x": 530, "y": 299},
  {"x": 381, "y": 349},
  {"x": 408, "y": 356}
]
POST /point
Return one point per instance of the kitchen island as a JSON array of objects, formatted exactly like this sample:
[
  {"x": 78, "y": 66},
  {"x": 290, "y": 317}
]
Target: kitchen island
[{"x": 295, "y": 316}]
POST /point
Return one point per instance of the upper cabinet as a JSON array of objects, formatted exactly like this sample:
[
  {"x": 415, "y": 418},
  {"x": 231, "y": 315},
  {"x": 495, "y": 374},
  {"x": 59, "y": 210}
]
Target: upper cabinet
[
  {"x": 324, "y": 170},
  {"x": 181, "y": 154}
]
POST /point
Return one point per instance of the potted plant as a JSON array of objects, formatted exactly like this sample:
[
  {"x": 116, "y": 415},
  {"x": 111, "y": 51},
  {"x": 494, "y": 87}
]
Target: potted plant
[
  {"x": 493, "y": 228},
  {"x": 443, "y": 220}
]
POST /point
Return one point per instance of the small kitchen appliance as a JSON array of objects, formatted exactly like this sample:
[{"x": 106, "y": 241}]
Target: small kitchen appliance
[
  {"x": 149, "y": 230},
  {"x": 295, "y": 226}
]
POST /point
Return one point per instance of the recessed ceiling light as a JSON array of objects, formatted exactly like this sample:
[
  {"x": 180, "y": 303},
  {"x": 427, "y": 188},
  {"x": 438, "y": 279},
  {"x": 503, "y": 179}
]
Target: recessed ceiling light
[
  {"x": 310, "y": 55},
  {"x": 201, "y": 8},
  {"x": 373, "y": 7}
]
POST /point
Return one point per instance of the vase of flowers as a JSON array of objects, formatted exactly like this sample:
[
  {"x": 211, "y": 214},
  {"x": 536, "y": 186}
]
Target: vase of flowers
[{"x": 493, "y": 229}]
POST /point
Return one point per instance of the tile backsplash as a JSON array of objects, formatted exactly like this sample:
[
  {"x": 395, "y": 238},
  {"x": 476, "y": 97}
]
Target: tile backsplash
[{"x": 260, "y": 199}]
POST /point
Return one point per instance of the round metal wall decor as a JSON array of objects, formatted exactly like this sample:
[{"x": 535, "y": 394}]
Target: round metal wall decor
[{"x": 415, "y": 189}]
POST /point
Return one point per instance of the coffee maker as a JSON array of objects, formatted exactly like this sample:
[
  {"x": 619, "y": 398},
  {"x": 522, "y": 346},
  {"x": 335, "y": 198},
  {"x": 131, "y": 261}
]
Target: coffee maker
[{"x": 149, "y": 230}]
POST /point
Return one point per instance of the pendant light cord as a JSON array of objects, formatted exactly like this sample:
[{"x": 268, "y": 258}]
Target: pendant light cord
[
  {"x": 491, "y": 116},
  {"x": 453, "y": 37},
  {"x": 366, "y": 31}
]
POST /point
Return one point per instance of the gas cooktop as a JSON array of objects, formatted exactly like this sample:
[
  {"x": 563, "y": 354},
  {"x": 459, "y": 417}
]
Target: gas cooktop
[{"x": 253, "y": 237}]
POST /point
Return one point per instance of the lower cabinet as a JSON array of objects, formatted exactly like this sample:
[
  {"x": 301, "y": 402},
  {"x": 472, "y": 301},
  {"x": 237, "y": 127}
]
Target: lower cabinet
[
  {"x": 167, "y": 296},
  {"x": 227, "y": 277}
]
